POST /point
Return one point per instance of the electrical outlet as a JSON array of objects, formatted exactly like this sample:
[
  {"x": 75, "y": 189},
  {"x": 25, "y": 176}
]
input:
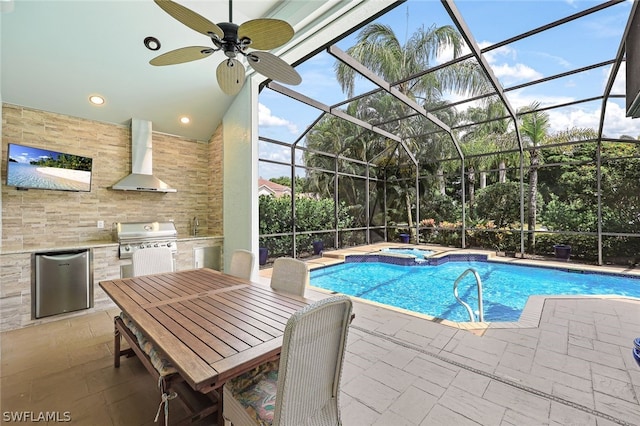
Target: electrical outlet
[{"x": 101, "y": 224}]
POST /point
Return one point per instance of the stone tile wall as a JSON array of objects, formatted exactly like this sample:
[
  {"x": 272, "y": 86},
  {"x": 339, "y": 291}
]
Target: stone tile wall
[{"x": 40, "y": 218}]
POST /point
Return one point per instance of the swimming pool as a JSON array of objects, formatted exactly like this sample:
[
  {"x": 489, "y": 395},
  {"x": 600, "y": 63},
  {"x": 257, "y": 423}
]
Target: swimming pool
[{"x": 429, "y": 289}]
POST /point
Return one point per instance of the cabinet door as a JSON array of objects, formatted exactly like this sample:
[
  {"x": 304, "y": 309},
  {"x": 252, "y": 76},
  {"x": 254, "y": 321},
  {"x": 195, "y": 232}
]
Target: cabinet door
[{"x": 207, "y": 257}]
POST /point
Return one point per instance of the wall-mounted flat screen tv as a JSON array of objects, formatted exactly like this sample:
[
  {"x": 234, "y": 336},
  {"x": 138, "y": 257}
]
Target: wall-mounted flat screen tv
[{"x": 29, "y": 167}]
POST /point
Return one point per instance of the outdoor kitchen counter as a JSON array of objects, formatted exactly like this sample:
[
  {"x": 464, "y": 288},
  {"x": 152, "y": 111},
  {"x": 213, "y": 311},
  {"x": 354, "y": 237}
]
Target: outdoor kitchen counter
[
  {"x": 199, "y": 237},
  {"x": 15, "y": 273},
  {"x": 44, "y": 246},
  {"x": 58, "y": 247}
]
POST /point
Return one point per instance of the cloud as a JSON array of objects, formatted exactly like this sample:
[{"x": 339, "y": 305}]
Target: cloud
[
  {"x": 266, "y": 119},
  {"x": 617, "y": 124},
  {"x": 511, "y": 74},
  {"x": 446, "y": 54},
  {"x": 620, "y": 83},
  {"x": 575, "y": 118},
  {"x": 525, "y": 97},
  {"x": 554, "y": 58},
  {"x": 269, "y": 171},
  {"x": 585, "y": 115},
  {"x": 503, "y": 62},
  {"x": 21, "y": 158},
  {"x": 501, "y": 52},
  {"x": 270, "y": 154},
  {"x": 276, "y": 153}
]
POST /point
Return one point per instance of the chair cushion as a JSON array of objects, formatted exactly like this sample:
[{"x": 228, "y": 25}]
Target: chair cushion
[
  {"x": 256, "y": 392},
  {"x": 161, "y": 364}
]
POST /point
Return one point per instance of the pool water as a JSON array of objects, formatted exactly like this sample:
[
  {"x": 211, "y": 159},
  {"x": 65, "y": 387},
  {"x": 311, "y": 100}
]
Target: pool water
[{"x": 429, "y": 289}]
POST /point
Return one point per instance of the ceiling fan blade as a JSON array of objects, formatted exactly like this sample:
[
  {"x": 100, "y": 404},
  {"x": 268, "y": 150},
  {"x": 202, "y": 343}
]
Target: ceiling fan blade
[
  {"x": 273, "y": 67},
  {"x": 184, "y": 54},
  {"x": 266, "y": 34},
  {"x": 230, "y": 74},
  {"x": 190, "y": 18}
]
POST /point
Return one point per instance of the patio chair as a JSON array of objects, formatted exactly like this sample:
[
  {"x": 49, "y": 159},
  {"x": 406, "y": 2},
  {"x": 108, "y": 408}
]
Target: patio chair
[
  {"x": 152, "y": 261},
  {"x": 303, "y": 387},
  {"x": 241, "y": 264},
  {"x": 290, "y": 275}
]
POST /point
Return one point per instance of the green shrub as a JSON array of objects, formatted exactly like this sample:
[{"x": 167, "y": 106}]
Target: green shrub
[{"x": 311, "y": 215}]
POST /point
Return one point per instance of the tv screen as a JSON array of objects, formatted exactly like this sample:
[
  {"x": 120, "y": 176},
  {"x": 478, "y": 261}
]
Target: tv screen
[{"x": 29, "y": 167}]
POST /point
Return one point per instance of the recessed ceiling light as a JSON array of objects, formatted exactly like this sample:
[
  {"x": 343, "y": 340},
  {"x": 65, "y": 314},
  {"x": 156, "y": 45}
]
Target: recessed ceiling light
[
  {"x": 152, "y": 43},
  {"x": 96, "y": 100},
  {"x": 185, "y": 120}
]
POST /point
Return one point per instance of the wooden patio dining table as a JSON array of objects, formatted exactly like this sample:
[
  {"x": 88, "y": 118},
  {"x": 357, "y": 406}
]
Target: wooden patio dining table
[{"x": 211, "y": 326}]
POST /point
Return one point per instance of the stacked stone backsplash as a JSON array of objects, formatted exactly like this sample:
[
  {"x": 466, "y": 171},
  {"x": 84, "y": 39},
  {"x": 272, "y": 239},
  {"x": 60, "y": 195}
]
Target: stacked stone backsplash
[{"x": 35, "y": 219}]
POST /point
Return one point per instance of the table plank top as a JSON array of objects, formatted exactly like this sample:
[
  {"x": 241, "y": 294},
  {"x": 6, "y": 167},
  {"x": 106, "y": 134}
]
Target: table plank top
[{"x": 212, "y": 326}]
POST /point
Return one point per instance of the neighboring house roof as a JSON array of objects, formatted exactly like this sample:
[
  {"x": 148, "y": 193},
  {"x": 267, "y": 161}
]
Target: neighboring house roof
[{"x": 266, "y": 187}]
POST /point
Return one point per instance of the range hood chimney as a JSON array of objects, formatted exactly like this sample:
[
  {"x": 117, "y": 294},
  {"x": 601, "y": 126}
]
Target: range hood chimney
[{"x": 141, "y": 177}]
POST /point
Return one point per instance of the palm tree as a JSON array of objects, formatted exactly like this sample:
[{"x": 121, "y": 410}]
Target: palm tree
[
  {"x": 534, "y": 126},
  {"x": 494, "y": 131},
  {"x": 433, "y": 147},
  {"x": 472, "y": 149},
  {"x": 379, "y": 49}
]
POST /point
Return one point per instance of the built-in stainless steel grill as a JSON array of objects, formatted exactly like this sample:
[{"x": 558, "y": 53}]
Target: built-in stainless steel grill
[{"x": 133, "y": 236}]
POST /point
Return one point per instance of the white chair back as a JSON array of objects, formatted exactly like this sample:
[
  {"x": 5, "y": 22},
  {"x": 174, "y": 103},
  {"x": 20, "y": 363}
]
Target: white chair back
[
  {"x": 152, "y": 261},
  {"x": 290, "y": 275},
  {"x": 307, "y": 377},
  {"x": 311, "y": 362},
  {"x": 242, "y": 264}
]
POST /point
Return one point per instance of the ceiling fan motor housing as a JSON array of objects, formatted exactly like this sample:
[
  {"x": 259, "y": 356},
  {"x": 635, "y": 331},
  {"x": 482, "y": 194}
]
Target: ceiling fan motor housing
[{"x": 230, "y": 43}]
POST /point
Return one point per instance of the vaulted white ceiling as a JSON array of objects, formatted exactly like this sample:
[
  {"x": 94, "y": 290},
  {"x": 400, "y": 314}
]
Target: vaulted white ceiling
[{"x": 55, "y": 54}]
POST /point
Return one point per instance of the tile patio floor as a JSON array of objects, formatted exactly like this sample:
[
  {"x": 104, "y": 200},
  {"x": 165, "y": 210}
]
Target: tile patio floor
[{"x": 571, "y": 366}]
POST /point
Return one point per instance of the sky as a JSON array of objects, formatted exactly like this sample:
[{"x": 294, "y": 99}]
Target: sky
[
  {"x": 26, "y": 154},
  {"x": 583, "y": 42}
]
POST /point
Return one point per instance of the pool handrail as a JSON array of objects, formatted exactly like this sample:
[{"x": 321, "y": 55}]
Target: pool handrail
[{"x": 472, "y": 317}]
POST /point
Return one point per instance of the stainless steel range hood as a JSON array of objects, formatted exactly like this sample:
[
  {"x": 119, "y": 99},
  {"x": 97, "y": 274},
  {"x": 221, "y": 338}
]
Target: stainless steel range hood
[{"x": 141, "y": 177}]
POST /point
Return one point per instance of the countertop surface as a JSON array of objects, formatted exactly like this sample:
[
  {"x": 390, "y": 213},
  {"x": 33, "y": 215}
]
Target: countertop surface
[{"x": 47, "y": 247}]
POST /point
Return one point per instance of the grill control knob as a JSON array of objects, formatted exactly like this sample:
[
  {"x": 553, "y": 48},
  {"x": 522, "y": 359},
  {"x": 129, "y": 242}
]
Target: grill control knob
[
  {"x": 127, "y": 248},
  {"x": 155, "y": 245},
  {"x": 141, "y": 246},
  {"x": 169, "y": 244}
]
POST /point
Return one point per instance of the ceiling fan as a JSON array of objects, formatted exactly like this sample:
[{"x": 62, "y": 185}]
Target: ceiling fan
[{"x": 233, "y": 40}]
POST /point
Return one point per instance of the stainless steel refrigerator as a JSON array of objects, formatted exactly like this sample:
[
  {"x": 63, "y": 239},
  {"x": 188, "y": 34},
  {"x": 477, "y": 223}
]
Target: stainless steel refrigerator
[{"x": 62, "y": 282}]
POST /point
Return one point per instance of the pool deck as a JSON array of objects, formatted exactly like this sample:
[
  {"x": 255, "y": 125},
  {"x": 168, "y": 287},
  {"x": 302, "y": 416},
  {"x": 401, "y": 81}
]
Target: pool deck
[
  {"x": 570, "y": 364},
  {"x": 567, "y": 362}
]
